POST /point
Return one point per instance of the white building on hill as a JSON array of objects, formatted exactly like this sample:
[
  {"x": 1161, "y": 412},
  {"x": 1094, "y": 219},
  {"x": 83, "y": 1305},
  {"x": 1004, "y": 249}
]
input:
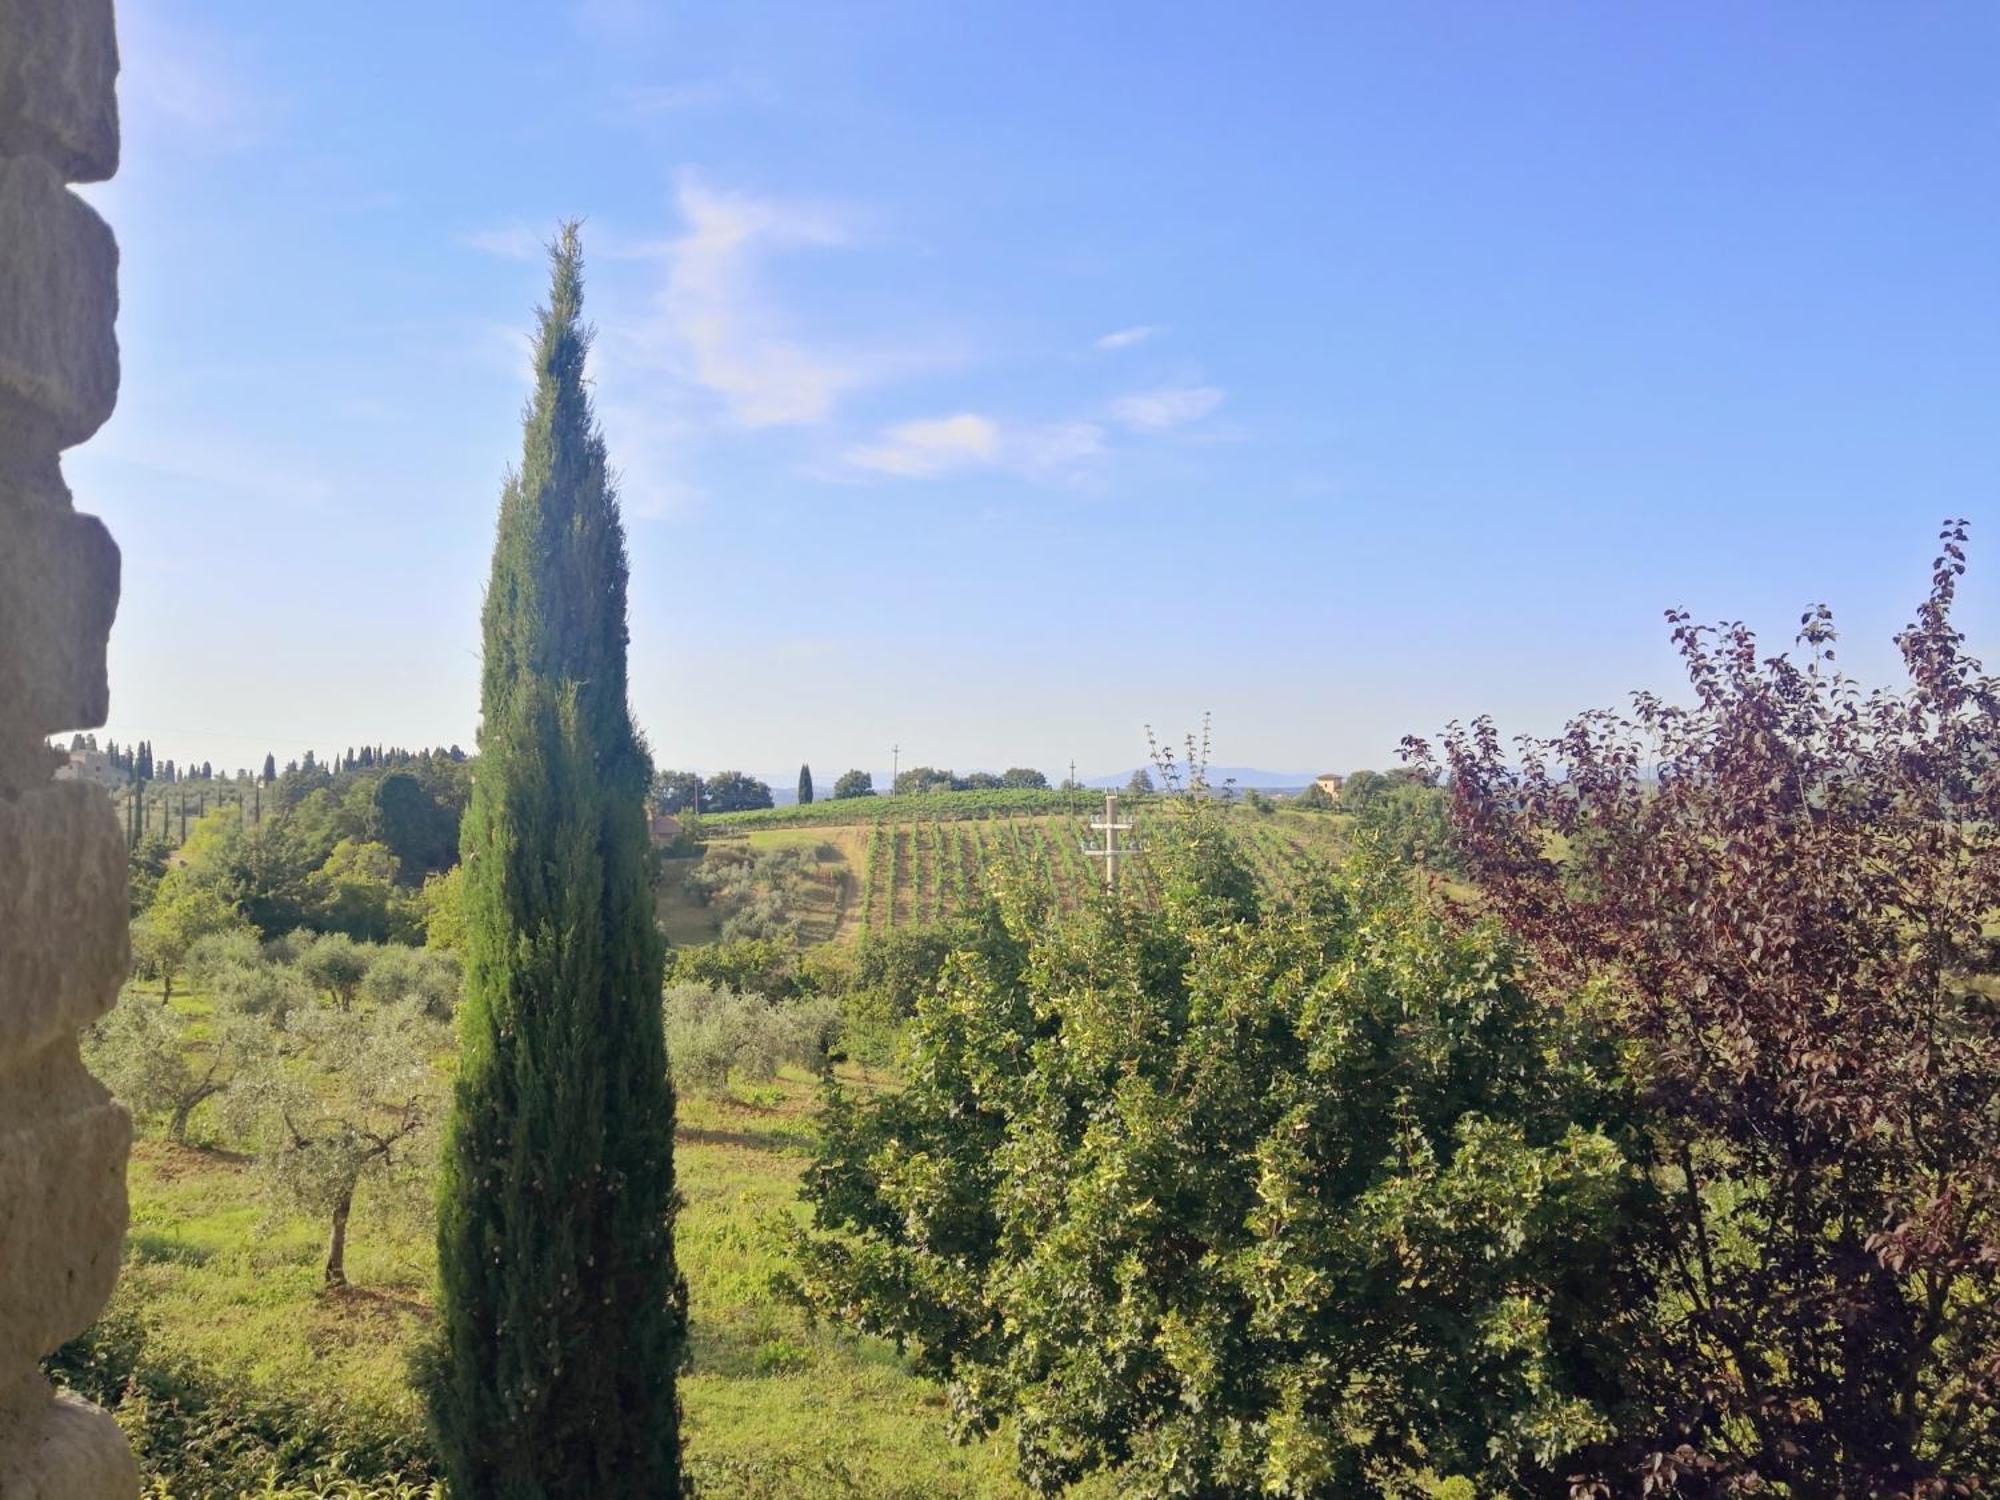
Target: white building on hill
[{"x": 91, "y": 765}]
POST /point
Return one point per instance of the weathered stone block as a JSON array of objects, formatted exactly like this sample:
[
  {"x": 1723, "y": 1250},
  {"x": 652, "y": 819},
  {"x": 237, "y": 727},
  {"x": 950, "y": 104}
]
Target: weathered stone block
[
  {"x": 57, "y": 75},
  {"x": 58, "y": 596},
  {"x": 63, "y": 1144},
  {"x": 61, "y": 1449},
  {"x": 58, "y": 309},
  {"x": 63, "y": 949}
]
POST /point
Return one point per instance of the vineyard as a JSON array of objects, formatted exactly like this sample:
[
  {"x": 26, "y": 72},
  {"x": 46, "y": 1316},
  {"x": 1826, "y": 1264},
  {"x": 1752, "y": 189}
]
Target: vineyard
[
  {"x": 911, "y": 861},
  {"x": 943, "y": 807}
]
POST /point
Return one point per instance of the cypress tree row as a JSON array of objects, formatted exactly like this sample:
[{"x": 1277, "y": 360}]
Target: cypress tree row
[{"x": 563, "y": 1313}]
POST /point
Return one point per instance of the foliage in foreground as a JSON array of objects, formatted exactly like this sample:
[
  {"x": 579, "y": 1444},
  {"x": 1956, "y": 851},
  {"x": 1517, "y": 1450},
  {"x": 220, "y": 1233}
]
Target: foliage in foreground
[
  {"x": 1778, "y": 897},
  {"x": 200, "y": 1433},
  {"x": 1308, "y": 1202}
]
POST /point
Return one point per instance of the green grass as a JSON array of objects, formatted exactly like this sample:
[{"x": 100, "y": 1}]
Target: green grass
[{"x": 775, "y": 1407}]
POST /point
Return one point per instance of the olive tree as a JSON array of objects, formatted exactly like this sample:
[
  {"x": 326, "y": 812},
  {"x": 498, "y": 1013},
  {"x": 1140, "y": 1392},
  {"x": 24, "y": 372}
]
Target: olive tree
[
  {"x": 182, "y": 914},
  {"x": 343, "y": 1098},
  {"x": 162, "y": 1061}
]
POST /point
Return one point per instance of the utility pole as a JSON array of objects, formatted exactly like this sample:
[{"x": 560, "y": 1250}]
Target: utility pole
[
  {"x": 895, "y": 766},
  {"x": 1111, "y": 853}
]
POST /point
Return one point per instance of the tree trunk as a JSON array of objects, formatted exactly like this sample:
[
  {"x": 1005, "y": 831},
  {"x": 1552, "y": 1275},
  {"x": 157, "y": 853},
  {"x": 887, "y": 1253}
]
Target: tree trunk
[
  {"x": 177, "y": 1128},
  {"x": 336, "y": 1250}
]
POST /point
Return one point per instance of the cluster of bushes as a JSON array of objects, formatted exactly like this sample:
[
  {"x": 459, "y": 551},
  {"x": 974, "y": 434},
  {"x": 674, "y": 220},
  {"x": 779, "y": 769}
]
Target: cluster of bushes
[
  {"x": 753, "y": 892},
  {"x": 929, "y": 780},
  {"x": 203, "y": 1434},
  {"x": 1670, "y": 1166},
  {"x": 762, "y": 1002},
  {"x": 716, "y": 1035},
  {"x": 281, "y": 876}
]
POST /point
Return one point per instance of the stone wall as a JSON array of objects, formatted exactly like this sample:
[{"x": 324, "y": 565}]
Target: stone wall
[{"x": 63, "y": 1140}]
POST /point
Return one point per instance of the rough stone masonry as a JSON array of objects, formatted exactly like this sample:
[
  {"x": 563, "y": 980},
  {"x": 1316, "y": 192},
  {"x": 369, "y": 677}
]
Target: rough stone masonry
[{"x": 63, "y": 954}]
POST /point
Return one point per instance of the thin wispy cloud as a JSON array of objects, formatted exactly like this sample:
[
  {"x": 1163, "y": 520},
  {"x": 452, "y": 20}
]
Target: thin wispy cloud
[
  {"x": 925, "y": 449},
  {"x": 734, "y": 335},
  {"x": 1162, "y": 410},
  {"x": 945, "y": 447},
  {"x": 1125, "y": 338},
  {"x": 1058, "y": 451}
]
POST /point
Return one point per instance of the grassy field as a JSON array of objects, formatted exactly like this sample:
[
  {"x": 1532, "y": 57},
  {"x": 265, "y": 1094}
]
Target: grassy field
[
  {"x": 905, "y": 861},
  {"x": 775, "y": 1408}
]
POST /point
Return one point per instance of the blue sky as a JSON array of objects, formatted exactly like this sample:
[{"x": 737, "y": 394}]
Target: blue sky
[{"x": 995, "y": 379}]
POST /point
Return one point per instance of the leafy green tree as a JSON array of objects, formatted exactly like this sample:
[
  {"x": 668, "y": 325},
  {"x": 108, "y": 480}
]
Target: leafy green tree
[
  {"x": 339, "y": 1100},
  {"x": 146, "y": 864},
  {"x": 161, "y": 1060},
  {"x": 920, "y": 780},
  {"x": 270, "y": 771},
  {"x": 335, "y": 965},
  {"x": 1359, "y": 789},
  {"x": 853, "y": 784},
  {"x": 1224, "y": 1202},
  {"x": 418, "y": 829},
  {"x": 677, "y": 791},
  {"x": 213, "y": 960},
  {"x": 1024, "y": 778},
  {"x": 183, "y": 912},
  {"x": 1141, "y": 784},
  {"x": 442, "y": 903},
  {"x": 356, "y": 892},
  {"x": 1413, "y": 822},
  {"x": 260, "y": 871},
  {"x": 427, "y": 977},
  {"x": 732, "y": 791},
  {"x": 714, "y": 1032},
  {"x": 563, "y": 1314},
  {"x": 805, "y": 786},
  {"x": 763, "y": 966}
]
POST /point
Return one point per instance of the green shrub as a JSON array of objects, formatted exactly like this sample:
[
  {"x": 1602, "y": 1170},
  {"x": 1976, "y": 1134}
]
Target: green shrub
[
  {"x": 1219, "y": 1200},
  {"x": 715, "y": 1033},
  {"x": 199, "y": 1434}
]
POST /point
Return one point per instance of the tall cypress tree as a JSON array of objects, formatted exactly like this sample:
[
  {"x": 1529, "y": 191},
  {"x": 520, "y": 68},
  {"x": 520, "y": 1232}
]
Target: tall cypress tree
[
  {"x": 805, "y": 785},
  {"x": 563, "y": 1313}
]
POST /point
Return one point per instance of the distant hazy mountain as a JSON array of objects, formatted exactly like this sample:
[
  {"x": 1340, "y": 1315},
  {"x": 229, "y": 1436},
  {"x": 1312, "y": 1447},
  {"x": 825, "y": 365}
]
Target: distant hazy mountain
[{"x": 1244, "y": 777}]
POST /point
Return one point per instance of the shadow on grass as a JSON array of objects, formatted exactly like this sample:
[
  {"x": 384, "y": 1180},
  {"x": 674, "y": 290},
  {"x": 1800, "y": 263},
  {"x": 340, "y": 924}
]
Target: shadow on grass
[
  {"x": 778, "y": 1142},
  {"x": 152, "y": 1248}
]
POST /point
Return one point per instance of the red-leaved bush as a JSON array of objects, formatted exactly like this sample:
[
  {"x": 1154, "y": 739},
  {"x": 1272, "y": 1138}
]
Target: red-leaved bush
[{"x": 1777, "y": 898}]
